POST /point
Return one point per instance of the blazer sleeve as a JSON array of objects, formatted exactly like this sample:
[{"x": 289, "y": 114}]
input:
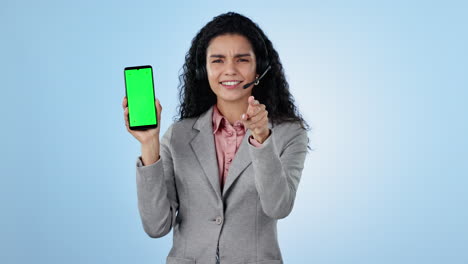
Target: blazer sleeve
[
  {"x": 156, "y": 189},
  {"x": 278, "y": 171}
]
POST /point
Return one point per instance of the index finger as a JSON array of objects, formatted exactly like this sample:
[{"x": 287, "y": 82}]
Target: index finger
[
  {"x": 257, "y": 109},
  {"x": 252, "y": 110}
]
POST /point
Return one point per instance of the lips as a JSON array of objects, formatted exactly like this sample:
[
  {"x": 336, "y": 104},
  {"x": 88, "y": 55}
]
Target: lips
[{"x": 230, "y": 84}]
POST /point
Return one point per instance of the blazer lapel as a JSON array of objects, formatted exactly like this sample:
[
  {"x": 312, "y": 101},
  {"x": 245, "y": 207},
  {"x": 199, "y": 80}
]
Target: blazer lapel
[
  {"x": 241, "y": 160},
  {"x": 239, "y": 163},
  {"x": 203, "y": 147}
]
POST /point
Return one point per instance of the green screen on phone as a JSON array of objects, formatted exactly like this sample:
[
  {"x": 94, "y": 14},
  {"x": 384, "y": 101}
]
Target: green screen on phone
[{"x": 140, "y": 96}]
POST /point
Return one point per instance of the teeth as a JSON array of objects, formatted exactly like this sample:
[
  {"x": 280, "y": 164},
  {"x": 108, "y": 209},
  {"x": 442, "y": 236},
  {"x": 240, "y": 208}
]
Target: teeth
[{"x": 230, "y": 83}]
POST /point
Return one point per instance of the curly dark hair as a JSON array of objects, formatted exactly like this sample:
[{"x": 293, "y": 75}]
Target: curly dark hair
[{"x": 195, "y": 94}]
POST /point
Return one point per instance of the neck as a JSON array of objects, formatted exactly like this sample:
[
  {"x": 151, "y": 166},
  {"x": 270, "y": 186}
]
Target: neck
[{"x": 232, "y": 111}]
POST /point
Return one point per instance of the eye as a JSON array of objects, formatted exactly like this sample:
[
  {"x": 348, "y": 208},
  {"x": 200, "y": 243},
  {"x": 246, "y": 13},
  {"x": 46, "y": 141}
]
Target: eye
[
  {"x": 243, "y": 60},
  {"x": 217, "y": 61}
]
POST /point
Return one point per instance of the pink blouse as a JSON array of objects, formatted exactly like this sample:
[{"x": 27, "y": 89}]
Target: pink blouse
[{"x": 227, "y": 141}]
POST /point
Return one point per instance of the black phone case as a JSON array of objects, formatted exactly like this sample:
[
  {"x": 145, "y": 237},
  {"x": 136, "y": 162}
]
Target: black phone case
[{"x": 154, "y": 98}]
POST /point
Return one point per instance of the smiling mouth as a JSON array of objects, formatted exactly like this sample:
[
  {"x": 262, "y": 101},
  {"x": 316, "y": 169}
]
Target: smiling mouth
[{"x": 230, "y": 83}]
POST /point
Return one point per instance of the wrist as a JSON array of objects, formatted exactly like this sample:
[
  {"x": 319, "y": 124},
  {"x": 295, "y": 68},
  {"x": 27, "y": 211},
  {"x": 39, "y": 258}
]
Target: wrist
[
  {"x": 150, "y": 152},
  {"x": 154, "y": 140},
  {"x": 261, "y": 138}
]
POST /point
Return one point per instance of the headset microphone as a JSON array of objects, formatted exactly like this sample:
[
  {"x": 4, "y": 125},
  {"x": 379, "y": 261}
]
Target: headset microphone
[{"x": 257, "y": 80}]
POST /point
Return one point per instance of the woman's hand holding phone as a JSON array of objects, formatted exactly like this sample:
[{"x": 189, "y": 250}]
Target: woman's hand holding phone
[{"x": 149, "y": 138}]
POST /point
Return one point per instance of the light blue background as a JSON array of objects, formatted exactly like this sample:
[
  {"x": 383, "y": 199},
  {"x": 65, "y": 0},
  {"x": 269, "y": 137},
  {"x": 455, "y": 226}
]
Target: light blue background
[{"x": 383, "y": 86}]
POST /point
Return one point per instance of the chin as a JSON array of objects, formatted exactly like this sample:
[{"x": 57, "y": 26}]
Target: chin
[
  {"x": 233, "y": 97},
  {"x": 230, "y": 99}
]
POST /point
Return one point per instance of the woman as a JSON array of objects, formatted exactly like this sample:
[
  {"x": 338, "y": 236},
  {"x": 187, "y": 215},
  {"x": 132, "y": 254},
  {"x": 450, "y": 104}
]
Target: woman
[{"x": 228, "y": 169}]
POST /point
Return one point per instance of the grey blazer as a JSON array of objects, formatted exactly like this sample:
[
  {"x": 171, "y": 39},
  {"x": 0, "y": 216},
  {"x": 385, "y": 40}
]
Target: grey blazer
[{"x": 182, "y": 191}]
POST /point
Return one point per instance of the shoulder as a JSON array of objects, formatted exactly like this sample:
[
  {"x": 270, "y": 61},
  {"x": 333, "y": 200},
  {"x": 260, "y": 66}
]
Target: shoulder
[
  {"x": 179, "y": 127},
  {"x": 287, "y": 133},
  {"x": 182, "y": 125},
  {"x": 186, "y": 125},
  {"x": 180, "y": 130},
  {"x": 288, "y": 129}
]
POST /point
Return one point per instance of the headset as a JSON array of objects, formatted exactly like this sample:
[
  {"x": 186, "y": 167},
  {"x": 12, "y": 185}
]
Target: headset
[{"x": 262, "y": 65}]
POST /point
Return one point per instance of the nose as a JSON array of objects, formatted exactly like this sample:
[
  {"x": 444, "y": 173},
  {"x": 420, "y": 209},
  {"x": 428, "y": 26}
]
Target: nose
[{"x": 230, "y": 68}]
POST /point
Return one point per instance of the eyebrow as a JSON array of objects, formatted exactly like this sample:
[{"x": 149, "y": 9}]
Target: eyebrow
[{"x": 235, "y": 56}]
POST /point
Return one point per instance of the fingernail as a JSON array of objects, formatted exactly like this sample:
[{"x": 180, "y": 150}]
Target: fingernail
[{"x": 243, "y": 116}]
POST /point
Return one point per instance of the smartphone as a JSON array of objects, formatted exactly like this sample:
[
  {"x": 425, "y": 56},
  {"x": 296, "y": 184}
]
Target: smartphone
[{"x": 139, "y": 89}]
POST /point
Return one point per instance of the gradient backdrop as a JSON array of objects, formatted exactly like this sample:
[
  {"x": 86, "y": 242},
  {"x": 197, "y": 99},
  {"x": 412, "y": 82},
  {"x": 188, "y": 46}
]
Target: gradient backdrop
[{"x": 383, "y": 86}]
